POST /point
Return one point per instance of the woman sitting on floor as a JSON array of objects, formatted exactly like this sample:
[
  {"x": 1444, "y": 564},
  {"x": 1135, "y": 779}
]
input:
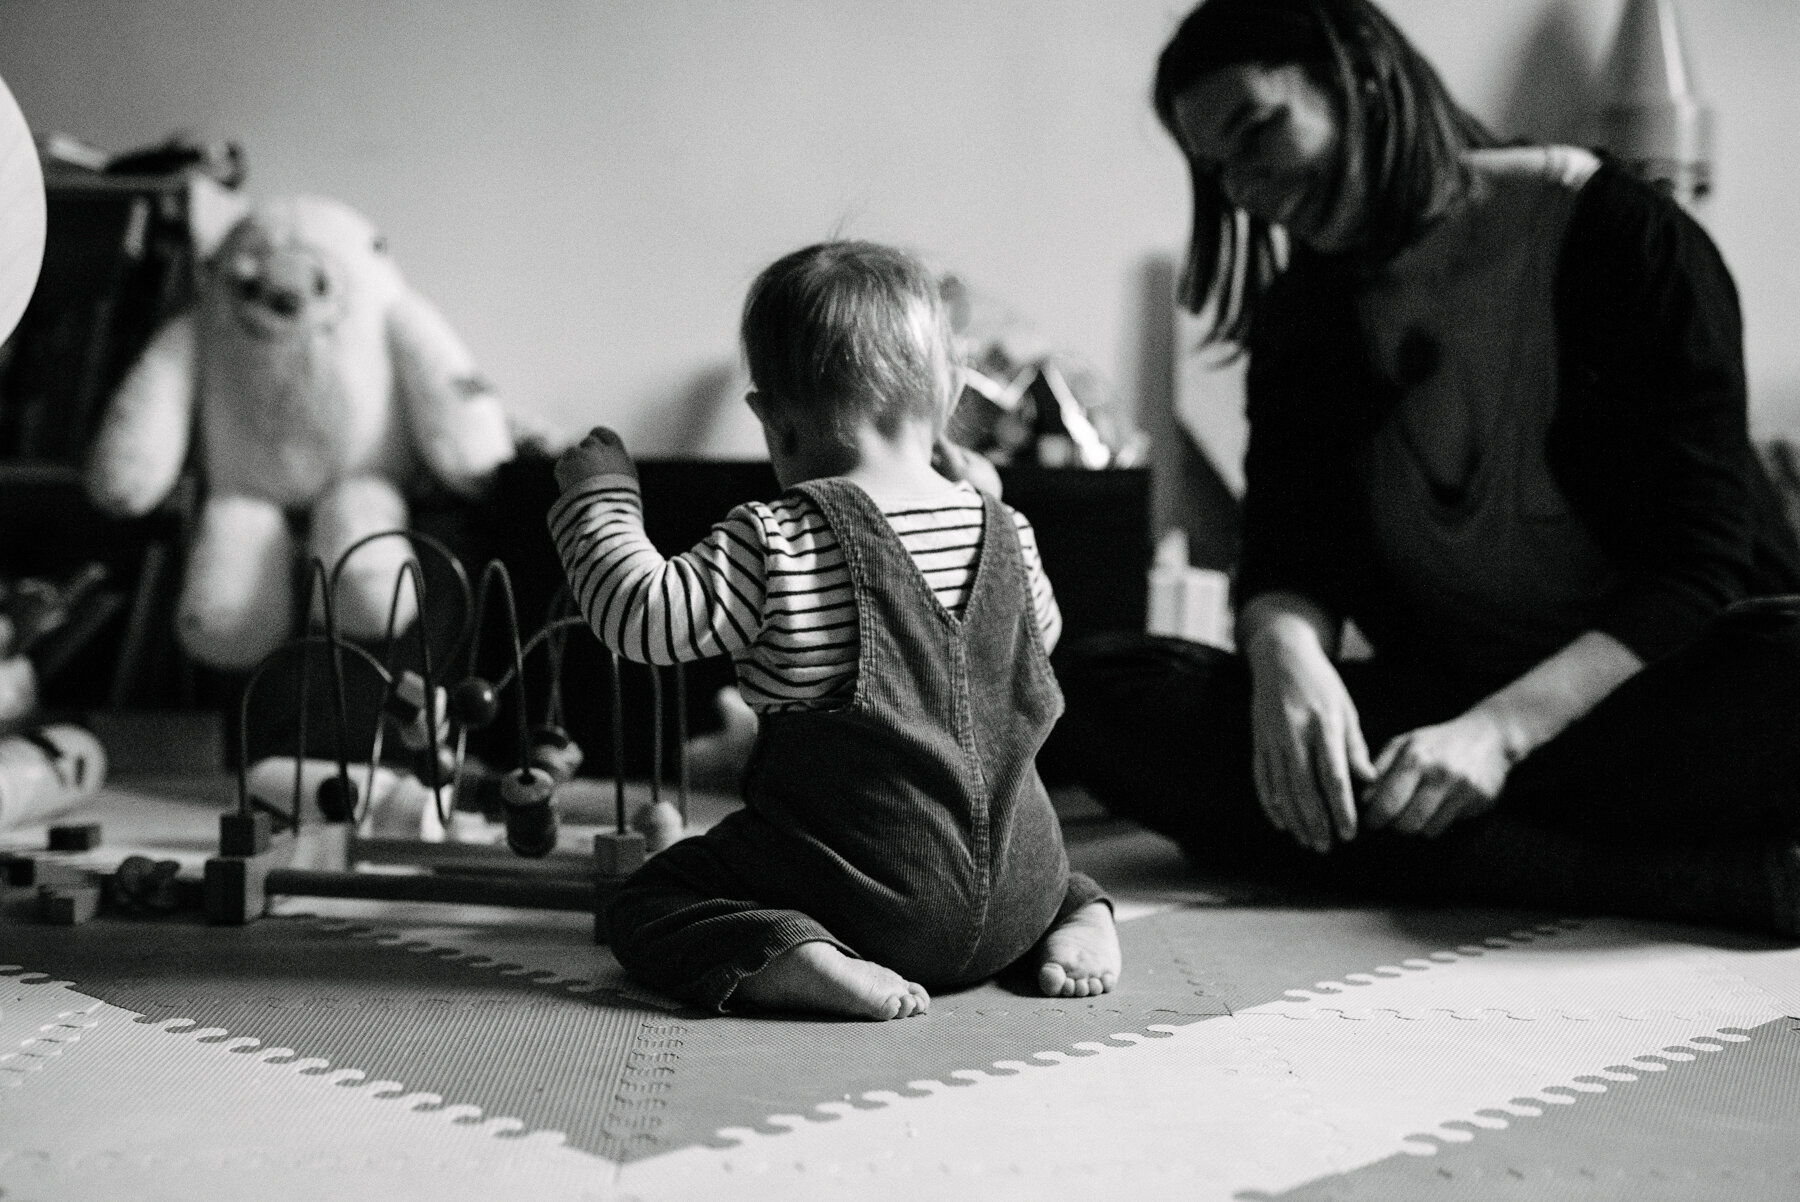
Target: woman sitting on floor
[{"x": 1497, "y": 413}]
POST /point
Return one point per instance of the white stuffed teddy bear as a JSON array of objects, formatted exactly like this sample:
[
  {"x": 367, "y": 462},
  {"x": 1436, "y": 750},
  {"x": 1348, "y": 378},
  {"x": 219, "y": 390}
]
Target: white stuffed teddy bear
[{"x": 314, "y": 384}]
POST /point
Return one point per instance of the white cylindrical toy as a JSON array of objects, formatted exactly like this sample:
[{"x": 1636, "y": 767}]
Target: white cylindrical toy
[
  {"x": 47, "y": 771},
  {"x": 399, "y": 806}
]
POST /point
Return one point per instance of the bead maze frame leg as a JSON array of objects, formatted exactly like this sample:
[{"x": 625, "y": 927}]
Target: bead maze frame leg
[{"x": 236, "y": 888}]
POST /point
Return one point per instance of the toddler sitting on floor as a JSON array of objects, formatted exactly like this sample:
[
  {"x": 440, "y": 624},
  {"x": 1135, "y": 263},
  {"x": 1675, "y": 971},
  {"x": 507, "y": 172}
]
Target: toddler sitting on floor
[{"x": 890, "y": 628}]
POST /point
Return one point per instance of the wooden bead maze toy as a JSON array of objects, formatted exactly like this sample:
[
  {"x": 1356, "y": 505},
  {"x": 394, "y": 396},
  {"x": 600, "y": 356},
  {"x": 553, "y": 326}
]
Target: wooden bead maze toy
[{"x": 330, "y": 839}]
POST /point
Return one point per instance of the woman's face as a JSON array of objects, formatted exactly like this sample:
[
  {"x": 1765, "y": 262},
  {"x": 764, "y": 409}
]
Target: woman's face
[{"x": 1273, "y": 139}]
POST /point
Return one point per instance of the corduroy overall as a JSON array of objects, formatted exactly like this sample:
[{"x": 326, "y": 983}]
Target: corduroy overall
[{"x": 908, "y": 827}]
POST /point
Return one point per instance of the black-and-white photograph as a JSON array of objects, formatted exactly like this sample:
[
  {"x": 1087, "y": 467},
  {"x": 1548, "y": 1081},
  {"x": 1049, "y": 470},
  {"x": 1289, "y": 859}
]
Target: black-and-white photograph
[{"x": 966, "y": 600}]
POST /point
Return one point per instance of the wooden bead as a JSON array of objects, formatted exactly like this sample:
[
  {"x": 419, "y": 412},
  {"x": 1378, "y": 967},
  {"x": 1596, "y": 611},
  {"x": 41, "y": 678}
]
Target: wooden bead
[
  {"x": 474, "y": 703},
  {"x": 337, "y": 797},
  {"x": 660, "y": 824},
  {"x": 75, "y": 836},
  {"x": 530, "y": 819},
  {"x": 407, "y": 705},
  {"x": 555, "y": 752}
]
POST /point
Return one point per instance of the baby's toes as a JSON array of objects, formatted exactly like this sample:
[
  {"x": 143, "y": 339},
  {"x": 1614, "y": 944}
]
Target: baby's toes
[{"x": 1053, "y": 981}]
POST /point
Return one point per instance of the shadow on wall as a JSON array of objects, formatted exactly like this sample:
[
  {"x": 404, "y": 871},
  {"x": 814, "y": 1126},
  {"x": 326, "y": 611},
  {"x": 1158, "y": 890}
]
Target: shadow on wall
[
  {"x": 1553, "y": 89},
  {"x": 1775, "y": 411},
  {"x": 707, "y": 420}
]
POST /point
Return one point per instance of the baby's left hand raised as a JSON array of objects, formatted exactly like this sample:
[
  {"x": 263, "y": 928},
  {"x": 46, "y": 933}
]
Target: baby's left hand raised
[{"x": 601, "y": 453}]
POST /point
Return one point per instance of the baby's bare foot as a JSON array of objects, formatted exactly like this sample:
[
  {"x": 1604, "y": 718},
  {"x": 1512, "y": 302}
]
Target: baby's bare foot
[
  {"x": 1081, "y": 956},
  {"x": 818, "y": 977}
]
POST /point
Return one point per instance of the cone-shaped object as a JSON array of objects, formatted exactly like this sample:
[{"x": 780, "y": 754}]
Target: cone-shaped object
[{"x": 1651, "y": 116}]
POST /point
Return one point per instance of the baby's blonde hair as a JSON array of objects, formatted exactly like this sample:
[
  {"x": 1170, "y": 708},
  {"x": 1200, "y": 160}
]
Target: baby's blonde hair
[{"x": 846, "y": 333}]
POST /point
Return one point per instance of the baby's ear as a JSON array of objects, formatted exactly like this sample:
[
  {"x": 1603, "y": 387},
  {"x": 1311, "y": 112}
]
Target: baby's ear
[{"x": 776, "y": 420}]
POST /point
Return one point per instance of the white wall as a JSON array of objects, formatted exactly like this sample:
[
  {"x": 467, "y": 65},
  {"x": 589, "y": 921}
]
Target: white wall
[{"x": 586, "y": 186}]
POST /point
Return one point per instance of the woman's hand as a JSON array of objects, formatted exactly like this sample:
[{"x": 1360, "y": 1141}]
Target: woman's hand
[
  {"x": 1307, "y": 745},
  {"x": 1430, "y": 778}
]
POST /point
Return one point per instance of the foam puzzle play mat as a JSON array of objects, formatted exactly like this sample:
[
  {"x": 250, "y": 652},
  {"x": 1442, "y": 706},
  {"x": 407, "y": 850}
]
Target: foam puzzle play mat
[
  {"x": 1257, "y": 1048},
  {"x": 318, "y": 979}
]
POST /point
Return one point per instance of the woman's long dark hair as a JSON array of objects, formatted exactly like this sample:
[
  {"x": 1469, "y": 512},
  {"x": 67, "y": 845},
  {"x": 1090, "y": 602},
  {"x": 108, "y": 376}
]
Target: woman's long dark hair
[{"x": 1397, "y": 118}]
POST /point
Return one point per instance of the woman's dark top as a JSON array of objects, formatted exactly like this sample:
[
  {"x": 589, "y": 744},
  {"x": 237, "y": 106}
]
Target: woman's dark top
[{"x": 1647, "y": 439}]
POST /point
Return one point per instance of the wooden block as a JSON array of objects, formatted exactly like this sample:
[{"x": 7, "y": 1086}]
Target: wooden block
[
  {"x": 67, "y": 905},
  {"x": 244, "y": 834},
  {"x": 75, "y": 836},
  {"x": 18, "y": 870},
  {"x": 618, "y": 853},
  {"x": 234, "y": 890},
  {"x": 235, "y": 885},
  {"x": 47, "y": 869}
]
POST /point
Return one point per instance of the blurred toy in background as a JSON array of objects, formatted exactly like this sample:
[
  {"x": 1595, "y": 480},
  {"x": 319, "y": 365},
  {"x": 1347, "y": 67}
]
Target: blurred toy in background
[
  {"x": 46, "y": 771},
  {"x": 181, "y": 151},
  {"x": 141, "y": 884},
  {"x": 316, "y": 389},
  {"x": 124, "y": 234},
  {"x": 43, "y": 623},
  {"x": 1023, "y": 402}
]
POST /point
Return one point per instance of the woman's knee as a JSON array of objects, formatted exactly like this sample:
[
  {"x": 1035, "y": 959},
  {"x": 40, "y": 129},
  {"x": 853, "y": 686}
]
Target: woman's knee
[
  {"x": 1123, "y": 673},
  {"x": 1158, "y": 730}
]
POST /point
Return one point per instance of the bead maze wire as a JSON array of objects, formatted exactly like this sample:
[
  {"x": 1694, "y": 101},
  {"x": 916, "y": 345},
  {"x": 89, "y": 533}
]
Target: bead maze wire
[
  {"x": 292, "y": 819},
  {"x": 434, "y": 723}
]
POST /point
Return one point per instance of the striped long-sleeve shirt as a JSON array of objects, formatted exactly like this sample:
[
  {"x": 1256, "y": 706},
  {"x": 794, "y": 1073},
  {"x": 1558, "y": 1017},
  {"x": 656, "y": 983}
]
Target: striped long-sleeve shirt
[{"x": 767, "y": 587}]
